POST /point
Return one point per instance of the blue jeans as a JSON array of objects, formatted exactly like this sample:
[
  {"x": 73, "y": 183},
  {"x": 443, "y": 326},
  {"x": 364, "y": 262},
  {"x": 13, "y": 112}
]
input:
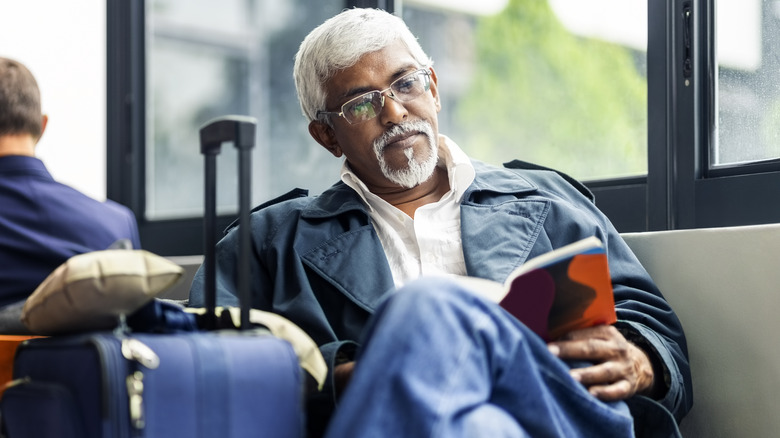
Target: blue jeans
[{"x": 437, "y": 361}]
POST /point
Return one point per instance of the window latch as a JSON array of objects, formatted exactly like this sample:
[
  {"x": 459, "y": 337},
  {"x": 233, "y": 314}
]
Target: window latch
[{"x": 687, "y": 32}]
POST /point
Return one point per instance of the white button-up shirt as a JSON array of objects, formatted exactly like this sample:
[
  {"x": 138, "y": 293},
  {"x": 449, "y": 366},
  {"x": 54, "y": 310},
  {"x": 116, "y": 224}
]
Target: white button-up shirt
[{"x": 429, "y": 244}]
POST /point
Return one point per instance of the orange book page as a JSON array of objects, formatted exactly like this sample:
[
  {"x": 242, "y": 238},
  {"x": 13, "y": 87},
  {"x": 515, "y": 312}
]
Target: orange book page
[{"x": 592, "y": 272}]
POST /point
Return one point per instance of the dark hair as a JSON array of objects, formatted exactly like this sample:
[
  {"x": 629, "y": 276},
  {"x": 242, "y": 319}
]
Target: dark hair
[{"x": 20, "y": 100}]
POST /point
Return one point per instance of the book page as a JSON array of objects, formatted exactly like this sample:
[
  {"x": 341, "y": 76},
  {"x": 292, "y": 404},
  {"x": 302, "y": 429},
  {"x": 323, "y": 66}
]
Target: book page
[
  {"x": 492, "y": 290},
  {"x": 548, "y": 258}
]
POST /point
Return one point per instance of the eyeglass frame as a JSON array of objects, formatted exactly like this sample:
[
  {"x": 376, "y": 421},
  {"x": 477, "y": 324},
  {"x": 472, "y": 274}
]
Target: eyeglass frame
[{"x": 425, "y": 71}]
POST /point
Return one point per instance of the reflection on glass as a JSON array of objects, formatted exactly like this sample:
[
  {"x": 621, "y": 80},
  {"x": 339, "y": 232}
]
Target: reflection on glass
[
  {"x": 205, "y": 59},
  {"x": 560, "y": 83},
  {"x": 748, "y": 53}
]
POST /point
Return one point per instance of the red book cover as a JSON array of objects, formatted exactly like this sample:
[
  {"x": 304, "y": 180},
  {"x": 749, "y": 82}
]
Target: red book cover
[{"x": 566, "y": 289}]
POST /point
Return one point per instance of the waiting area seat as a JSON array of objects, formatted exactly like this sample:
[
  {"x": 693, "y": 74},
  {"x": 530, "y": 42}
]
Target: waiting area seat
[
  {"x": 724, "y": 284},
  {"x": 181, "y": 291}
]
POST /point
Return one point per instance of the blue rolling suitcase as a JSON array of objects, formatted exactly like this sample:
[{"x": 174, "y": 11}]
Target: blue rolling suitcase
[{"x": 211, "y": 384}]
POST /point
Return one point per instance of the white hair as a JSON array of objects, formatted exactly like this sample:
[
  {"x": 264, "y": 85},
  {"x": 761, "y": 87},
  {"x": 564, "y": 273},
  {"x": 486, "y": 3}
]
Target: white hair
[{"x": 339, "y": 43}]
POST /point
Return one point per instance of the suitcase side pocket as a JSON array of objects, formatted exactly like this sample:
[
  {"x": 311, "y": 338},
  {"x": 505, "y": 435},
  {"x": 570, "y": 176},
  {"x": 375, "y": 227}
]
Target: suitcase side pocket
[{"x": 39, "y": 409}]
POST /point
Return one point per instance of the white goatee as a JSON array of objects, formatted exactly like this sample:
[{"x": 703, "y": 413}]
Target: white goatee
[{"x": 418, "y": 169}]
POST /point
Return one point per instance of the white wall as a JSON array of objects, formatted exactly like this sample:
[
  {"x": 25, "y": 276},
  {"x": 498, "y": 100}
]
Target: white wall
[{"x": 63, "y": 43}]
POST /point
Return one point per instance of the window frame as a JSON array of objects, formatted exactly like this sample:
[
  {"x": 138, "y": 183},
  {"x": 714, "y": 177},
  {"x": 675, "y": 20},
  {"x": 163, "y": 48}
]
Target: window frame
[
  {"x": 680, "y": 190},
  {"x": 702, "y": 196},
  {"x": 126, "y": 138},
  {"x": 126, "y": 131}
]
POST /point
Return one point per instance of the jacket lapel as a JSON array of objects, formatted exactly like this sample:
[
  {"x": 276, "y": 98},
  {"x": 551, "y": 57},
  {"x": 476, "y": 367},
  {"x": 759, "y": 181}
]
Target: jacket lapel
[
  {"x": 355, "y": 264},
  {"x": 344, "y": 248},
  {"x": 348, "y": 254}
]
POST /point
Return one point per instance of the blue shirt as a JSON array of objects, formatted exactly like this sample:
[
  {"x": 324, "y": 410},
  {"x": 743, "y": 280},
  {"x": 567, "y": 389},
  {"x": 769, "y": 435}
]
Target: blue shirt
[{"x": 43, "y": 223}]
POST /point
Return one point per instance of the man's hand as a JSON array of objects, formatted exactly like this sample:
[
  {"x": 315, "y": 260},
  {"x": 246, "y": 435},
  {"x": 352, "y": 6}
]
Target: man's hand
[
  {"x": 620, "y": 370},
  {"x": 341, "y": 375}
]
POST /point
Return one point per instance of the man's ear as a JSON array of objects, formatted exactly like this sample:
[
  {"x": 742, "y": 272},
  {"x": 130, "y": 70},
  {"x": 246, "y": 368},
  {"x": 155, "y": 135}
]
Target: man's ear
[
  {"x": 44, "y": 122},
  {"x": 435, "y": 89},
  {"x": 325, "y": 136}
]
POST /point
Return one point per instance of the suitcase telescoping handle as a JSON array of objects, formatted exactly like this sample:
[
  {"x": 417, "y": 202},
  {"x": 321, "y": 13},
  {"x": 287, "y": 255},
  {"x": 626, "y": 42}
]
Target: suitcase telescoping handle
[{"x": 241, "y": 131}]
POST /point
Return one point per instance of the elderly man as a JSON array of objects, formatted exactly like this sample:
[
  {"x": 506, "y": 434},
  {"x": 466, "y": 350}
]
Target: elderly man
[{"x": 364, "y": 268}]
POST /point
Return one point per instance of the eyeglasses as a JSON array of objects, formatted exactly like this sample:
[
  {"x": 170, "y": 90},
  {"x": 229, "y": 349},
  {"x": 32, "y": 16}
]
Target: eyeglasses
[{"x": 369, "y": 105}]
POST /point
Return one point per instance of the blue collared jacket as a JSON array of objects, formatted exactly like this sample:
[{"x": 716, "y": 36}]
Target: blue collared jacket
[
  {"x": 43, "y": 223},
  {"x": 318, "y": 261}
]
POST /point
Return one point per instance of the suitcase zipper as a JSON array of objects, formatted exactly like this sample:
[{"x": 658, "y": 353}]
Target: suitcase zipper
[
  {"x": 15, "y": 382},
  {"x": 136, "y": 352},
  {"x": 109, "y": 354}
]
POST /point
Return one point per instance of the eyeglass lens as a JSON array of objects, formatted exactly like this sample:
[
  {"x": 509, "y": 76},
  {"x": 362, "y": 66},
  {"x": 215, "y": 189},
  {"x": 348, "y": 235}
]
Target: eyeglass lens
[{"x": 404, "y": 89}]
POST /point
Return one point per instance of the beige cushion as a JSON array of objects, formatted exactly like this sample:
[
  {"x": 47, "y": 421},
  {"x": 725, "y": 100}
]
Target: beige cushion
[{"x": 89, "y": 291}]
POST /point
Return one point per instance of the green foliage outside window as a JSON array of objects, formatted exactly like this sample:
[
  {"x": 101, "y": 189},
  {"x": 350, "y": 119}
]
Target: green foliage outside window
[{"x": 541, "y": 94}]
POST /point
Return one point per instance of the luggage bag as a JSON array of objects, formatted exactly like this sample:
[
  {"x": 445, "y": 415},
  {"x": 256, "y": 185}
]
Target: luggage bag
[{"x": 220, "y": 383}]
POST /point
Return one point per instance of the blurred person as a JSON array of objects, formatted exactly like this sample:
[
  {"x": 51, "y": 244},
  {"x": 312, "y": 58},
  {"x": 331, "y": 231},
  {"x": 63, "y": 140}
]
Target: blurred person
[{"x": 42, "y": 222}]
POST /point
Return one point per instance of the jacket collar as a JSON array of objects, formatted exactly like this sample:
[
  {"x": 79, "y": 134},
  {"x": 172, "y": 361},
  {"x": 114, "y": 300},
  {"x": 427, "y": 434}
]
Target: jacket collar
[
  {"x": 335, "y": 201},
  {"x": 498, "y": 180},
  {"x": 22, "y": 164},
  {"x": 332, "y": 254},
  {"x": 340, "y": 198}
]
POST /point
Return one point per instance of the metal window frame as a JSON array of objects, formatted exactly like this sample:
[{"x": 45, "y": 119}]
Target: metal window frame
[
  {"x": 679, "y": 191},
  {"x": 126, "y": 127},
  {"x": 701, "y": 196}
]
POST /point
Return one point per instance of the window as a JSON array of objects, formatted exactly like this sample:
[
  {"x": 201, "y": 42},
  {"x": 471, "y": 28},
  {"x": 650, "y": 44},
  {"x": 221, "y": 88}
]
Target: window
[
  {"x": 667, "y": 110},
  {"x": 70, "y": 71},
  {"x": 205, "y": 59},
  {"x": 562, "y": 83},
  {"x": 722, "y": 162},
  {"x": 176, "y": 64},
  {"x": 748, "y": 57}
]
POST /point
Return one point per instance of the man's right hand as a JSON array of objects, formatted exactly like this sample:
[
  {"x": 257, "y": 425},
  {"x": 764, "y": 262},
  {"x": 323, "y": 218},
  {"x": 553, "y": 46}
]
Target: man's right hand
[{"x": 342, "y": 373}]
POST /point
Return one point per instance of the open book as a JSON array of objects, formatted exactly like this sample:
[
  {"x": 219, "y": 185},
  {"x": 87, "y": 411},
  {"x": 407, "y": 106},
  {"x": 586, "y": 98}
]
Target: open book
[{"x": 565, "y": 289}]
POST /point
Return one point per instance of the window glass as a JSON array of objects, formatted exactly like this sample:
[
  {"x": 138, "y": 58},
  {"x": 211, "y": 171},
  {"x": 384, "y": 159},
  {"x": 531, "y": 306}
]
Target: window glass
[
  {"x": 561, "y": 83},
  {"x": 70, "y": 70},
  {"x": 206, "y": 59},
  {"x": 748, "y": 54}
]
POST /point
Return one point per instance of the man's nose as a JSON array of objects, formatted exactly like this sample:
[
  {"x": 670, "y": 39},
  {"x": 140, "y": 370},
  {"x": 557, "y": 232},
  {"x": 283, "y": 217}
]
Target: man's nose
[{"x": 393, "y": 111}]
